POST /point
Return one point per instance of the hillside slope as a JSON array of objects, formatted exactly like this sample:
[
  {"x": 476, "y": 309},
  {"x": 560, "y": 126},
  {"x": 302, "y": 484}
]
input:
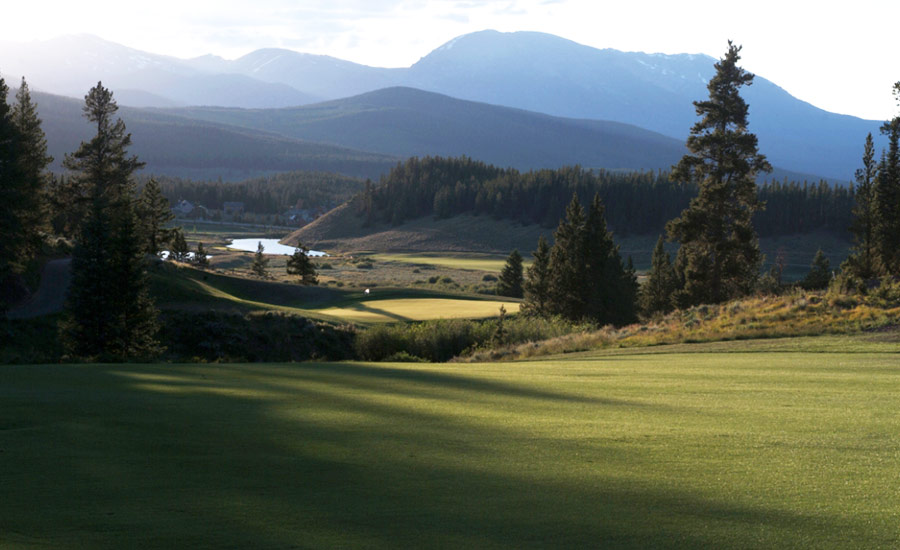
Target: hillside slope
[
  {"x": 406, "y": 122},
  {"x": 177, "y": 146},
  {"x": 341, "y": 230}
]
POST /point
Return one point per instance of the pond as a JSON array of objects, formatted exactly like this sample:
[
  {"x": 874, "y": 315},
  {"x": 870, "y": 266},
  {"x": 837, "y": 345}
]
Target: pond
[{"x": 271, "y": 246}]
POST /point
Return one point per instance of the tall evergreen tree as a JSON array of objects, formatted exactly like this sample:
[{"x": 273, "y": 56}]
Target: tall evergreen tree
[
  {"x": 719, "y": 251},
  {"x": 537, "y": 281},
  {"x": 180, "y": 251},
  {"x": 301, "y": 266},
  {"x": 819, "y": 273},
  {"x": 863, "y": 261},
  {"x": 33, "y": 161},
  {"x": 12, "y": 255},
  {"x": 154, "y": 213},
  {"x": 610, "y": 286},
  {"x": 887, "y": 197},
  {"x": 260, "y": 263},
  {"x": 200, "y": 257},
  {"x": 658, "y": 291},
  {"x": 109, "y": 314},
  {"x": 568, "y": 274},
  {"x": 511, "y": 279}
]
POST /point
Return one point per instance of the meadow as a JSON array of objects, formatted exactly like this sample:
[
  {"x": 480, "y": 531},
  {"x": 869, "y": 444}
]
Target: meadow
[{"x": 694, "y": 446}]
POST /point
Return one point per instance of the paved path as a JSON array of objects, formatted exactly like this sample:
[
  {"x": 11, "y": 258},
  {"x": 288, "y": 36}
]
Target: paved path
[{"x": 51, "y": 294}]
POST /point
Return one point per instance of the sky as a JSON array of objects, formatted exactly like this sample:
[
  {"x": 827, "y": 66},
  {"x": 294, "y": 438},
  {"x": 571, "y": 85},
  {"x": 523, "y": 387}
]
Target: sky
[{"x": 844, "y": 59}]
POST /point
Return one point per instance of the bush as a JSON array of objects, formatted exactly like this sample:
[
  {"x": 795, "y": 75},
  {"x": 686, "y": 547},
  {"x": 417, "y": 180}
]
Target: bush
[
  {"x": 489, "y": 278},
  {"x": 216, "y": 336},
  {"x": 445, "y": 339}
]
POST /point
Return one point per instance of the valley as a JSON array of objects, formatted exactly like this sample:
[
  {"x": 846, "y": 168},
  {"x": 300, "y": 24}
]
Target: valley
[{"x": 522, "y": 293}]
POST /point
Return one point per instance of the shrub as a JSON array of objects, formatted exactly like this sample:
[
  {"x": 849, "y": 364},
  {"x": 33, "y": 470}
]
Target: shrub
[
  {"x": 216, "y": 336},
  {"x": 445, "y": 339}
]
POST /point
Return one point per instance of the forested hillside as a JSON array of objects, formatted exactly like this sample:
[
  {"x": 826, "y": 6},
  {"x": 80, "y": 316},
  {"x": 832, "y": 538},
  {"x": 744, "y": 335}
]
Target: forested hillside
[
  {"x": 265, "y": 195},
  {"x": 637, "y": 203}
]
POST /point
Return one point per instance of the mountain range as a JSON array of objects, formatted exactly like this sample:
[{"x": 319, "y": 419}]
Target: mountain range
[{"x": 528, "y": 71}]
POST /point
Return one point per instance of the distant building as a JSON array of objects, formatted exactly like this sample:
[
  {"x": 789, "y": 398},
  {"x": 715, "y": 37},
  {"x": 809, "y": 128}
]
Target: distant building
[
  {"x": 182, "y": 209},
  {"x": 303, "y": 216}
]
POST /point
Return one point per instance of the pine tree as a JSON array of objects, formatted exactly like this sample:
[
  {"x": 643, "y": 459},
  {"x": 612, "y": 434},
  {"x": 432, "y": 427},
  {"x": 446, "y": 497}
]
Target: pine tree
[
  {"x": 180, "y": 252},
  {"x": 301, "y": 266},
  {"x": 819, "y": 273},
  {"x": 109, "y": 314},
  {"x": 887, "y": 198},
  {"x": 658, "y": 291},
  {"x": 719, "y": 251},
  {"x": 510, "y": 282},
  {"x": 862, "y": 263},
  {"x": 567, "y": 269},
  {"x": 537, "y": 281},
  {"x": 610, "y": 287},
  {"x": 588, "y": 281},
  {"x": 200, "y": 257},
  {"x": 260, "y": 263},
  {"x": 154, "y": 212},
  {"x": 33, "y": 162},
  {"x": 13, "y": 255}
]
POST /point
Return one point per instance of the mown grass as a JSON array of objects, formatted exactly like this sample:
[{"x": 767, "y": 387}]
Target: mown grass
[
  {"x": 679, "y": 450},
  {"x": 191, "y": 289},
  {"x": 418, "y": 309},
  {"x": 797, "y": 313},
  {"x": 473, "y": 262}
]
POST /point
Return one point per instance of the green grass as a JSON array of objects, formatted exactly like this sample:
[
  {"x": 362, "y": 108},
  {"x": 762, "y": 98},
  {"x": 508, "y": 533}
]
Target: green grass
[
  {"x": 472, "y": 262},
  {"x": 187, "y": 288},
  {"x": 769, "y": 449},
  {"x": 418, "y": 309}
]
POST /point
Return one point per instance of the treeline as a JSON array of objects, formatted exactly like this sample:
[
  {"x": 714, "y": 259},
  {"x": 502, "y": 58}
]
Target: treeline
[
  {"x": 264, "y": 195},
  {"x": 637, "y": 203}
]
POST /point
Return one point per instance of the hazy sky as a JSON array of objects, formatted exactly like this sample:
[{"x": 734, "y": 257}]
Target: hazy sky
[{"x": 843, "y": 58}]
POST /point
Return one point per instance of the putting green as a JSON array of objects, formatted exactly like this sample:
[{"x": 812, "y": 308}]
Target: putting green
[{"x": 418, "y": 309}]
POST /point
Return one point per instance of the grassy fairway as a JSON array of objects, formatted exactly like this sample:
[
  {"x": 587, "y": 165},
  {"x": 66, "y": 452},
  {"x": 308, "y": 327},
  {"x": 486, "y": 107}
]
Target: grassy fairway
[
  {"x": 691, "y": 450},
  {"x": 417, "y": 309},
  {"x": 476, "y": 262},
  {"x": 189, "y": 288}
]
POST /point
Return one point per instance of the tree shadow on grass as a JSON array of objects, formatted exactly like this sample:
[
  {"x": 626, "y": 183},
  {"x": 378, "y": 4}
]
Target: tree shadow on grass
[{"x": 312, "y": 456}]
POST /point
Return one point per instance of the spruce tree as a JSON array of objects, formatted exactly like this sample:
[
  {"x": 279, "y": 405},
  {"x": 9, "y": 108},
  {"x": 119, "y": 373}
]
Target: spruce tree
[
  {"x": 260, "y": 263},
  {"x": 537, "y": 281},
  {"x": 301, "y": 266},
  {"x": 610, "y": 287},
  {"x": 819, "y": 273},
  {"x": 109, "y": 314},
  {"x": 658, "y": 291},
  {"x": 180, "y": 252},
  {"x": 510, "y": 282},
  {"x": 33, "y": 162},
  {"x": 200, "y": 257},
  {"x": 719, "y": 251},
  {"x": 568, "y": 275},
  {"x": 155, "y": 212},
  {"x": 862, "y": 263},
  {"x": 887, "y": 198},
  {"x": 13, "y": 255}
]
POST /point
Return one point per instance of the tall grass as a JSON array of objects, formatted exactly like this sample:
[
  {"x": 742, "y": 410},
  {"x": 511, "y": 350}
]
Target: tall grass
[
  {"x": 444, "y": 339},
  {"x": 796, "y": 313}
]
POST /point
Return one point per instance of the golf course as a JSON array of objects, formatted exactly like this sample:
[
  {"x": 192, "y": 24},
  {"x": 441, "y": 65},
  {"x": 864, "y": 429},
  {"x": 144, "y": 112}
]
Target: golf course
[{"x": 790, "y": 444}]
